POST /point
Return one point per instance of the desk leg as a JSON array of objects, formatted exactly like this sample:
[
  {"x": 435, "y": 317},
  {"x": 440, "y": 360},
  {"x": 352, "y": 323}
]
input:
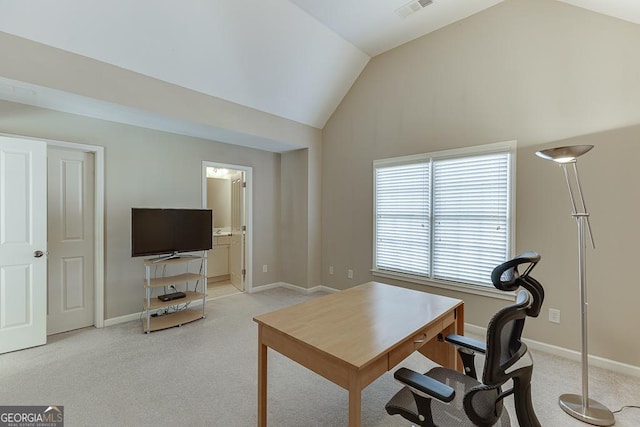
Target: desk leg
[
  {"x": 460, "y": 331},
  {"x": 262, "y": 380},
  {"x": 355, "y": 400}
]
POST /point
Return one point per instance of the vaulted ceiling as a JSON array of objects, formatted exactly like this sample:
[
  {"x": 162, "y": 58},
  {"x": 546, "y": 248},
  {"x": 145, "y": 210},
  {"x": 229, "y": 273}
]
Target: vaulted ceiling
[{"x": 295, "y": 59}]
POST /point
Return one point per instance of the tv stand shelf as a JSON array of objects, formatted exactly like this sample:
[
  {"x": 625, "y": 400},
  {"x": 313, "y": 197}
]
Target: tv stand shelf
[
  {"x": 171, "y": 320},
  {"x": 172, "y": 280},
  {"x": 159, "y": 314},
  {"x": 155, "y": 304}
]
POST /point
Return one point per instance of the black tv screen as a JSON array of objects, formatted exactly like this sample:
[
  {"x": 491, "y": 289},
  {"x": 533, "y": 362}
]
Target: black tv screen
[{"x": 169, "y": 231}]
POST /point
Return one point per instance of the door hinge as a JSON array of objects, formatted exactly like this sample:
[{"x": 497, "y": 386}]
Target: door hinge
[
  {"x": 244, "y": 273},
  {"x": 244, "y": 228},
  {"x": 244, "y": 185}
]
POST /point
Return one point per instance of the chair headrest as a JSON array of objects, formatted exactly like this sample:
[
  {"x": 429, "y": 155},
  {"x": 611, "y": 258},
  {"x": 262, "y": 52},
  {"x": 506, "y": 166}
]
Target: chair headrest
[{"x": 506, "y": 276}]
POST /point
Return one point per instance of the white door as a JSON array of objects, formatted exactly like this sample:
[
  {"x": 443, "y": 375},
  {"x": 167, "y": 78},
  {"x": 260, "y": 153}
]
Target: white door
[
  {"x": 236, "y": 247},
  {"x": 23, "y": 246},
  {"x": 70, "y": 240}
]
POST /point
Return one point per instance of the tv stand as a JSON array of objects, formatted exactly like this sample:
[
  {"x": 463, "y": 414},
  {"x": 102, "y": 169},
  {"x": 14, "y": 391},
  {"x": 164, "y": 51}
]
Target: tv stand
[{"x": 158, "y": 314}]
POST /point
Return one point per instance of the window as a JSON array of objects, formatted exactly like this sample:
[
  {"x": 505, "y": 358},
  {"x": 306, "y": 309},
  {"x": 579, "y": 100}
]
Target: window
[{"x": 446, "y": 216}]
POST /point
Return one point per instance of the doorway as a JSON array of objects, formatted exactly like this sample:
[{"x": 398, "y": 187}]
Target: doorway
[
  {"x": 226, "y": 191},
  {"x": 70, "y": 240},
  {"x": 24, "y": 282},
  {"x": 74, "y": 310}
]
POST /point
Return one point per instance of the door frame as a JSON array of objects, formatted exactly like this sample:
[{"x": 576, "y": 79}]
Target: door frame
[
  {"x": 248, "y": 212},
  {"x": 98, "y": 232},
  {"x": 98, "y": 152}
]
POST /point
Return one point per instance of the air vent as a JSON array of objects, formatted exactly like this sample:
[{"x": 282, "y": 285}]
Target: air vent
[{"x": 412, "y": 7}]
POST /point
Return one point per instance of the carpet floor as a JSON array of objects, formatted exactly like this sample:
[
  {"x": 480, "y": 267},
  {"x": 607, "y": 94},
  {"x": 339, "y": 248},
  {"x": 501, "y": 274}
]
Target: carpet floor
[{"x": 204, "y": 374}]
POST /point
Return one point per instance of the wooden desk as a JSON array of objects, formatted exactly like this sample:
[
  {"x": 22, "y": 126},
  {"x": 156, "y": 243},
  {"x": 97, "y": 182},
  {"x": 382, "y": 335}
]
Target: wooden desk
[{"x": 354, "y": 336}]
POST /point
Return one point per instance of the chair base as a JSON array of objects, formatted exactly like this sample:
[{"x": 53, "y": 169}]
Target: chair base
[{"x": 595, "y": 413}]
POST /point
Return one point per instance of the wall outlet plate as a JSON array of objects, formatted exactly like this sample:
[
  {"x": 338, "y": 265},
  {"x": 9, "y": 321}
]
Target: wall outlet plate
[{"x": 554, "y": 315}]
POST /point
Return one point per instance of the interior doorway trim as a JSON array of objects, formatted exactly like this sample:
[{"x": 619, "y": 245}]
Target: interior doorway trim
[
  {"x": 248, "y": 213},
  {"x": 98, "y": 153}
]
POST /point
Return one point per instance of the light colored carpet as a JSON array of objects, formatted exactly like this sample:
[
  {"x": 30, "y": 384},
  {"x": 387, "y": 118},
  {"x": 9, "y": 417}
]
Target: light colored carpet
[{"x": 204, "y": 374}]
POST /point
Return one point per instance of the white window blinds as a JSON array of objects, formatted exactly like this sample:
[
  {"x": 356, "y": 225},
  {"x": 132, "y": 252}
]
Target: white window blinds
[
  {"x": 470, "y": 215},
  {"x": 402, "y": 218},
  {"x": 443, "y": 217}
]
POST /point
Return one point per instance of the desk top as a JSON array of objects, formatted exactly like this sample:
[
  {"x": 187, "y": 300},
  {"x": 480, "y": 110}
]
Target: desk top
[{"x": 359, "y": 324}]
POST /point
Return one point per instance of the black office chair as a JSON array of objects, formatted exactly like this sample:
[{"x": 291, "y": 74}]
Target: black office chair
[{"x": 445, "y": 397}]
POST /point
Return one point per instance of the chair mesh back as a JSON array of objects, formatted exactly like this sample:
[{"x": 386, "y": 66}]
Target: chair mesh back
[{"x": 504, "y": 344}]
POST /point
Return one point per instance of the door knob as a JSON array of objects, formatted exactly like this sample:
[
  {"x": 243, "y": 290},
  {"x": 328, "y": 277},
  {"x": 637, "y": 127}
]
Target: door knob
[{"x": 38, "y": 254}]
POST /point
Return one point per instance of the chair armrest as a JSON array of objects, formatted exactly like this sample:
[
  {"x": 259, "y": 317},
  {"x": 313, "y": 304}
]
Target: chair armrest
[
  {"x": 466, "y": 342},
  {"x": 425, "y": 384}
]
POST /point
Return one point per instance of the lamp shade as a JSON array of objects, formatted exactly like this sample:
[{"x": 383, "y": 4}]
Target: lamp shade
[{"x": 564, "y": 154}]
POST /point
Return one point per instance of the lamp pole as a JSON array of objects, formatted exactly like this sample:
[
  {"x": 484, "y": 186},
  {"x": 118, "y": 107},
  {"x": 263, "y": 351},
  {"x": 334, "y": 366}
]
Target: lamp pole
[
  {"x": 580, "y": 407},
  {"x": 582, "y": 284}
]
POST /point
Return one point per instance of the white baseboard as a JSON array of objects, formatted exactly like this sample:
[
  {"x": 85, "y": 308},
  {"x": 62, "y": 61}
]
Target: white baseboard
[
  {"x": 600, "y": 362},
  {"x": 321, "y": 288},
  {"x": 262, "y": 288},
  {"x": 296, "y": 288},
  {"x": 122, "y": 319},
  {"x": 137, "y": 316}
]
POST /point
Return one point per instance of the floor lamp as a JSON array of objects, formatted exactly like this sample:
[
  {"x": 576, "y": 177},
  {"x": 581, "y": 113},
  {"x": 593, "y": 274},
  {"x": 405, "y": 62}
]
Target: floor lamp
[{"x": 580, "y": 407}]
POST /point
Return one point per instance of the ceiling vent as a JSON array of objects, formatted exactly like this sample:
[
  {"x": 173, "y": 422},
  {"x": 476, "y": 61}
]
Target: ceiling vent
[{"x": 412, "y": 7}]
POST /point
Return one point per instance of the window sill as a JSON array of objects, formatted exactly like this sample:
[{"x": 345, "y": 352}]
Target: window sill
[{"x": 451, "y": 286}]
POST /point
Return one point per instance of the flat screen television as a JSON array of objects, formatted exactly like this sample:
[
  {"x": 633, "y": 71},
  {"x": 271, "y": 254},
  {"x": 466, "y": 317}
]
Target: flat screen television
[{"x": 170, "y": 232}]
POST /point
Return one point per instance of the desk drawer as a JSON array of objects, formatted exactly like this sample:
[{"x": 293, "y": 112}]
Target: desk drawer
[{"x": 410, "y": 345}]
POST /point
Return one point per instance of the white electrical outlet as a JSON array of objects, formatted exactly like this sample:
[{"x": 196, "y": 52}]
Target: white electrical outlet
[
  {"x": 265, "y": 268},
  {"x": 331, "y": 269},
  {"x": 349, "y": 274},
  {"x": 554, "y": 315}
]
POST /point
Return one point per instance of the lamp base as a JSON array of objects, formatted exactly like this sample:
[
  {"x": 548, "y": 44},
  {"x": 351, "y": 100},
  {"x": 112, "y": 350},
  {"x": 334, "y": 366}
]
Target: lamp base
[{"x": 596, "y": 413}]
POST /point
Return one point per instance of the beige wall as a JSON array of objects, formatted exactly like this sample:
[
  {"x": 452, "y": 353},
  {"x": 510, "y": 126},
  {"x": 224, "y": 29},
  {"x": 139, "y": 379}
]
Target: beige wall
[
  {"x": 147, "y": 168},
  {"x": 301, "y": 215},
  {"x": 610, "y": 177},
  {"x": 44, "y": 66},
  {"x": 294, "y": 210},
  {"x": 535, "y": 71}
]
